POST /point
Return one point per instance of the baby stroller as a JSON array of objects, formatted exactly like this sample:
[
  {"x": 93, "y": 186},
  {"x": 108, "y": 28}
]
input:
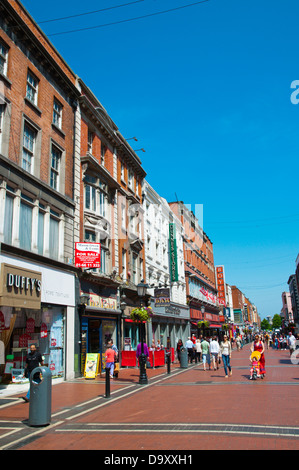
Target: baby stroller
[{"x": 255, "y": 366}]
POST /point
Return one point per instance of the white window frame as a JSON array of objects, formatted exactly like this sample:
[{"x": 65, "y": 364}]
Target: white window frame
[
  {"x": 28, "y": 152},
  {"x": 32, "y": 87},
  {"x": 56, "y": 156},
  {"x": 57, "y": 113},
  {"x": 3, "y": 58}
]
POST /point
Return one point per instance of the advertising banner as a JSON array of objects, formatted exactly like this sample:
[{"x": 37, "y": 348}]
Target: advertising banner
[
  {"x": 88, "y": 255},
  {"x": 162, "y": 297},
  {"x": 174, "y": 277}
]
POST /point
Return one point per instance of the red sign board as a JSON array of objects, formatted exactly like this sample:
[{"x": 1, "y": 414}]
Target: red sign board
[
  {"x": 220, "y": 284},
  {"x": 88, "y": 255}
]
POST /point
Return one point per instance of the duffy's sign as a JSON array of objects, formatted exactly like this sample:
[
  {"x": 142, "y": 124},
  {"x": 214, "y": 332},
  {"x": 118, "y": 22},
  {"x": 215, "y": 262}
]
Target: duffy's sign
[{"x": 20, "y": 287}]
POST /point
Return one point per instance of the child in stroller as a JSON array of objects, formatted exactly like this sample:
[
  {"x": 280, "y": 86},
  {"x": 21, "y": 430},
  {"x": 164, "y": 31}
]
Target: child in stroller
[{"x": 255, "y": 366}]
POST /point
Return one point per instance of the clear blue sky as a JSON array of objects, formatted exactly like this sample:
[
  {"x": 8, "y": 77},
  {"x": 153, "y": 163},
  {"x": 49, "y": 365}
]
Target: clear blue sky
[{"x": 206, "y": 90}]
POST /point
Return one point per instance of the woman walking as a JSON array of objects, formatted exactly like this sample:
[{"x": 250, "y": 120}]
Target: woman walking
[
  {"x": 258, "y": 345},
  {"x": 226, "y": 351}
]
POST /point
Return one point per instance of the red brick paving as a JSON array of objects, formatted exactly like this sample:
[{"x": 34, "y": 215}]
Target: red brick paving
[{"x": 185, "y": 398}]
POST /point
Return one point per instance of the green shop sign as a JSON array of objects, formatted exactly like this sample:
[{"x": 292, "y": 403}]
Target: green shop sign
[{"x": 173, "y": 254}]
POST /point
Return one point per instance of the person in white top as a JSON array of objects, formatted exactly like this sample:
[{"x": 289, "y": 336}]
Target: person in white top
[
  {"x": 291, "y": 342},
  {"x": 214, "y": 351},
  {"x": 197, "y": 350}
]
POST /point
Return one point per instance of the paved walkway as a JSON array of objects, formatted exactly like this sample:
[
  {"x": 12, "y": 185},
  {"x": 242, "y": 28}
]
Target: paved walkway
[{"x": 190, "y": 409}]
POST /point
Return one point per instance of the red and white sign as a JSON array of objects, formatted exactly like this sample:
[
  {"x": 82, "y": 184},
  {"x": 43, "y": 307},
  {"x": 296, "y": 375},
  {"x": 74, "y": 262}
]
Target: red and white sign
[
  {"x": 43, "y": 331},
  {"x": 220, "y": 285},
  {"x": 88, "y": 255}
]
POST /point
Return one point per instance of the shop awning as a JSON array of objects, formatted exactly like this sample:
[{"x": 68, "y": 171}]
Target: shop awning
[{"x": 213, "y": 325}]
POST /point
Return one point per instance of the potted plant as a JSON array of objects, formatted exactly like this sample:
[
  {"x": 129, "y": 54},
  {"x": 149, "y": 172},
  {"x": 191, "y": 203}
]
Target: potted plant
[{"x": 141, "y": 314}]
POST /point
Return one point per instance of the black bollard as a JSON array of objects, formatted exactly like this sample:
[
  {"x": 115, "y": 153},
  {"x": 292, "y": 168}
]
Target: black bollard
[
  {"x": 107, "y": 384},
  {"x": 168, "y": 362}
]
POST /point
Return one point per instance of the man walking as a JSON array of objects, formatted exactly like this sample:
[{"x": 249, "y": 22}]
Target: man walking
[
  {"x": 33, "y": 360},
  {"x": 189, "y": 346}
]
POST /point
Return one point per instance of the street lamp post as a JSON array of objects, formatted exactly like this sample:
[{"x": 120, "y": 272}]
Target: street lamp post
[{"x": 141, "y": 291}]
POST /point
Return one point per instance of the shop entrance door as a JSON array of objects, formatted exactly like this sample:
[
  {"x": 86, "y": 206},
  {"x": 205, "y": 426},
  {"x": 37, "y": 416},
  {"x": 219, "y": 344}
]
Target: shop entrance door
[{"x": 94, "y": 336}]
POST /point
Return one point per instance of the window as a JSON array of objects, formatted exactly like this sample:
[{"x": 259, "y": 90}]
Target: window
[
  {"x": 131, "y": 179},
  {"x": 103, "y": 260},
  {"x": 3, "y": 59},
  {"x": 2, "y": 110},
  {"x": 8, "y": 219},
  {"x": 32, "y": 88},
  {"x": 90, "y": 236},
  {"x": 122, "y": 171},
  {"x": 54, "y": 235},
  {"x": 90, "y": 141},
  {"x": 90, "y": 198},
  {"x": 134, "y": 268},
  {"x": 55, "y": 166},
  {"x": 124, "y": 264},
  {"x": 29, "y": 141},
  {"x": 94, "y": 195},
  {"x": 103, "y": 151},
  {"x": 40, "y": 233},
  {"x": 57, "y": 113},
  {"x": 25, "y": 227}
]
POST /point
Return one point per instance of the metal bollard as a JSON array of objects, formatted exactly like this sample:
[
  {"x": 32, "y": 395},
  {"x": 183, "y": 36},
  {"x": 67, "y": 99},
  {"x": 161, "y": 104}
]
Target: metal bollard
[
  {"x": 168, "y": 363},
  {"x": 107, "y": 383}
]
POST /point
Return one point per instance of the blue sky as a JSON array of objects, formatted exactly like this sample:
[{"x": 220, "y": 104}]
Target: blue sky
[{"x": 206, "y": 90}]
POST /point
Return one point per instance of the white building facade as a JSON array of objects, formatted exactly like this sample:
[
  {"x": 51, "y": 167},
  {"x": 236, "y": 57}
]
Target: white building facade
[{"x": 170, "y": 321}]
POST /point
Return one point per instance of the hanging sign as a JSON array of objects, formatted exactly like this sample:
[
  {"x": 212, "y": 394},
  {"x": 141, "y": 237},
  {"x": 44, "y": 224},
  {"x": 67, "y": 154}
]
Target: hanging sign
[
  {"x": 30, "y": 326},
  {"x": 43, "y": 330},
  {"x": 174, "y": 277}
]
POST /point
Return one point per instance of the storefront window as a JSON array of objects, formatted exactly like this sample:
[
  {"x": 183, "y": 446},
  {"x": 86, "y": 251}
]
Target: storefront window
[{"x": 44, "y": 328}]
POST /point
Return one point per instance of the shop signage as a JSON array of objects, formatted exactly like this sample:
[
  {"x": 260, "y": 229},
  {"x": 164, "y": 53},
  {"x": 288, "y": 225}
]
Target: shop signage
[
  {"x": 91, "y": 365},
  {"x": 162, "y": 297},
  {"x": 101, "y": 302},
  {"x": 173, "y": 310},
  {"x": 174, "y": 277},
  {"x": 20, "y": 287},
  {"x": 220, "y": 285},
  {"x": 88, "y": 255}
]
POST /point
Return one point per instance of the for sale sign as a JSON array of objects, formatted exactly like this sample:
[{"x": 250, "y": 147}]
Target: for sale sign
[{"x": 88, "y": 255}]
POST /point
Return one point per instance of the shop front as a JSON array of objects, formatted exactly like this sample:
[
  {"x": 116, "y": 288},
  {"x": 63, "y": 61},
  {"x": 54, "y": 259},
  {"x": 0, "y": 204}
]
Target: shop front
[
  {"x": 37, "y": 305},
  {"x": 169, "y": 324},
  {"x": 208, "y": 318},
  {"x": 100, "y": 321}
]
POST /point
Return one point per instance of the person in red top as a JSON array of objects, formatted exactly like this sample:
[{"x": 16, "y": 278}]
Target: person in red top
[
  {"x": 110, "y": 356},
  {"x": 258, "y": 345}
]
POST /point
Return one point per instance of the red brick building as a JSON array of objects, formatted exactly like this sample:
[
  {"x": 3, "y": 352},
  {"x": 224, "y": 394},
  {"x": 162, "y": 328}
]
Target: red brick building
[
  {"x": 199, "y": 270},
  {"x": 38, "y": 105}
]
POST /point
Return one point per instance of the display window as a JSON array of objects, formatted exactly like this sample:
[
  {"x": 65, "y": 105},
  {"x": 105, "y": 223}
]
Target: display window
[{"x": 44, "y": 328}]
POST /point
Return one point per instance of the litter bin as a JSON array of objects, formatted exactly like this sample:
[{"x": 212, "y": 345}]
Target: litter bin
[
  {"x": 183, "y": 358},
  {"x": 40, "y": 397}
]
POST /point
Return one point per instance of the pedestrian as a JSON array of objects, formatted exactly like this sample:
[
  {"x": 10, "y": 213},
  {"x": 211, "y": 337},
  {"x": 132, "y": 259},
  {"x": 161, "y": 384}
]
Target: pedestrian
[
  {"x": 238, "y": 342},
  {"x": 139, "y": 350},
  {"x": 205, "y": 348},
  {"x": 197, "y": 350},
  {"x": 33, "y": 360},
  {"x": 214, "y": 352},
  {"x": 226, "y": 351},
  {"x": 110, "y": 357},
  {"x": 178, "y": 349},
  {"x": 291, "y": 342},
  {"x": 258, "y": 345},
  {"x": 189, "y": 347}
]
